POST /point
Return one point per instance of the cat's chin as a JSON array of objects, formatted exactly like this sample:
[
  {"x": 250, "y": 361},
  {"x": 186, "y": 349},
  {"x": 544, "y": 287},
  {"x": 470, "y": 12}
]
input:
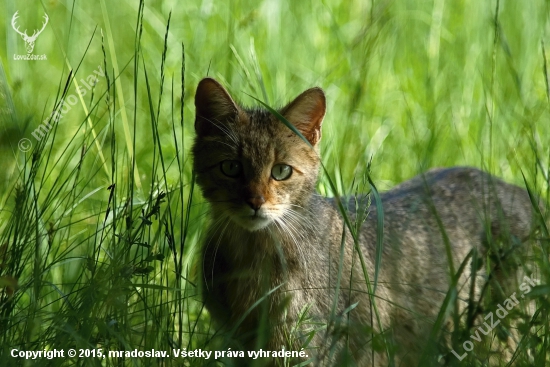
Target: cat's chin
[{"x": 252, "y": 223}]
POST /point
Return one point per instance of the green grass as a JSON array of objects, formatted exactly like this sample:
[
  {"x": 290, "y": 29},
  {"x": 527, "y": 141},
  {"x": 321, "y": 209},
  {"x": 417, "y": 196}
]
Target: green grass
[{"x": 100, "y": 222}]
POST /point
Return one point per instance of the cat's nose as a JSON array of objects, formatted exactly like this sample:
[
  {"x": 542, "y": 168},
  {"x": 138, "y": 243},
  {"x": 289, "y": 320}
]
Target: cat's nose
[{"x": 255, "y": 202}]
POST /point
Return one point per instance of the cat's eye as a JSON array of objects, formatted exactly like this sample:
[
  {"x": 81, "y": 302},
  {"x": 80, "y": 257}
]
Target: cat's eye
[
  {"x": 281, "y": 172},
  {"x": 231, "y": 168}
]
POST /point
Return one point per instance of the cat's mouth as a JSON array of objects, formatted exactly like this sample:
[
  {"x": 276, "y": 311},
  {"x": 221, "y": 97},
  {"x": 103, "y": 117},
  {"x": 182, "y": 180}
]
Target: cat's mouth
[{"x": 253, "y": 222}]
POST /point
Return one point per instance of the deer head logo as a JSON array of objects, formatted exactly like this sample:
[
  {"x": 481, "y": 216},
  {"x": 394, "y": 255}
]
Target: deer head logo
[{"x": 29, "y": 40}]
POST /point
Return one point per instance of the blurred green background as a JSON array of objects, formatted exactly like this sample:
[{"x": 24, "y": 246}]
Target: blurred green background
[
  {"x": 437, "y": 82},
  {"x": 410, "y": 84}
]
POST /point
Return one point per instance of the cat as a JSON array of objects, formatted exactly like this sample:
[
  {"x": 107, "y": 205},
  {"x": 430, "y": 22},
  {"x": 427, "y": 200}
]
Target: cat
[{"x": 279, "y": 264}]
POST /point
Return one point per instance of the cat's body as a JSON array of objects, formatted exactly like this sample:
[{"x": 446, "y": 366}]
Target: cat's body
[{"x": 275, "y": 248}]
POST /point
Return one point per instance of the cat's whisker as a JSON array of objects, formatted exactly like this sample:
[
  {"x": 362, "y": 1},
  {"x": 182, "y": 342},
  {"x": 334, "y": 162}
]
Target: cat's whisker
[
  {"x": 296, "y": 205},
  {"x": 293, "y": 223},
  {"x": 284, "y": 228},
  {"x": 217, "y": 247},
  {"x": 214, "y": 228},
  {"x": 227, "y": 130},
  {"x": 291, "y": 230},
  {"x": 281, "y": 229},
  {"x": 307, "y": 210},
  {"x": 227, "y": 144},
  {"x": 300, "y": 220}
]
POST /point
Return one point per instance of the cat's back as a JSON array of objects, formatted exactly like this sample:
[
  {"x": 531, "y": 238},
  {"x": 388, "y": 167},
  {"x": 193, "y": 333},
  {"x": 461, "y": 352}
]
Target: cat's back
[
  {"x": 461, "y": 197},
  {"x": 462, "y": 201},
  {"x": 453, "y": 186}
]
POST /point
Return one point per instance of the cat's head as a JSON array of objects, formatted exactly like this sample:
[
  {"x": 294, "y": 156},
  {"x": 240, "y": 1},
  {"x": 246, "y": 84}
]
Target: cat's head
[{"x": 251, "y": 167}]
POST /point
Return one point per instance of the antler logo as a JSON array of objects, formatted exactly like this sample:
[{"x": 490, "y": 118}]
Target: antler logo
[{"x": 29, "y": 40}]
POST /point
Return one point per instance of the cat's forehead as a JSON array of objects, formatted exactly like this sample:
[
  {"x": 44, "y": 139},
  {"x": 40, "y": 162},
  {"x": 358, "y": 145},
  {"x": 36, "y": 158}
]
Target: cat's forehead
[
  {"x": 260, "y": 128},
  {"x": 261, "y": 119}
]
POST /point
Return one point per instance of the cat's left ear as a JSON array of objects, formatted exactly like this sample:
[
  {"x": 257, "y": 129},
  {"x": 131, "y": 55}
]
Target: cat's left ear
[{"x": 306, "y": 113}]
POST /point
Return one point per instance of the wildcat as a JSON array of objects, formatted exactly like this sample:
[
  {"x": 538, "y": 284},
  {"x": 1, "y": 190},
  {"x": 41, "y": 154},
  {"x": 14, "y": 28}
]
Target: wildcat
[{"x": 280, "y": 266}]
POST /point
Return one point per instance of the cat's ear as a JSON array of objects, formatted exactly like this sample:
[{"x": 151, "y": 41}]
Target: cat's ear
[
  {"x": 306, "y": 113},
  {"x": 214, "y": 106}
]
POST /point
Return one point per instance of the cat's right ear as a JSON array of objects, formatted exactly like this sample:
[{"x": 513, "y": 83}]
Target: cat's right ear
[{"x": 214, "y": 107}]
